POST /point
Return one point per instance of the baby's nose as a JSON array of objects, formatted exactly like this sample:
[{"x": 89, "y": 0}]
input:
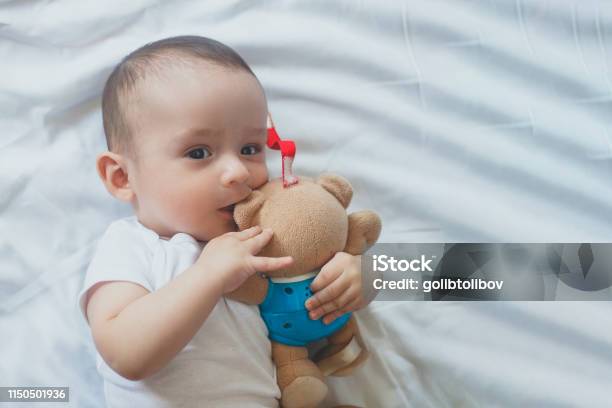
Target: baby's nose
[{"x": 234, "y": 172}]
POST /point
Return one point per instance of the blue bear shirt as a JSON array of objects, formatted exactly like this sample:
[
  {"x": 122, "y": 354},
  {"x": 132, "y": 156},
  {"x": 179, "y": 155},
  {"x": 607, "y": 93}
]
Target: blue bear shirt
[{"x": 286, "y": 316}]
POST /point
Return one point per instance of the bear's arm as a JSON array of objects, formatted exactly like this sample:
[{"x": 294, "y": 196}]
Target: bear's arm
[{"x": 253, "y": 291}]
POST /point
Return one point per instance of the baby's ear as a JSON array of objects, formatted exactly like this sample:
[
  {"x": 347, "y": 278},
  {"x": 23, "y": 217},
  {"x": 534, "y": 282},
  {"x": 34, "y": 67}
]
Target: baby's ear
[
  {"x": 338, "y": 186},
  {"x": 112, "y": 169},
  {"x": 364, "y": 229},
  {"x": 245, "y": 211}
]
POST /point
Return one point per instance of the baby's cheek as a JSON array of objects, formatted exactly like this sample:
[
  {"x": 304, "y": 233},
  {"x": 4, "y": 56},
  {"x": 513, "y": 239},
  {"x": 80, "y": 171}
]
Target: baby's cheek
[
  {"x": 200, "y": 209},
  {"x": 259, "y": 176},
  {"x": 185, "y": 210}
]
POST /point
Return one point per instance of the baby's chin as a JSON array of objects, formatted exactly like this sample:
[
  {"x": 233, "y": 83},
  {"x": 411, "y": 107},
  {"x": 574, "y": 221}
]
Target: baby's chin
[
  {"x": 233, "y": 227},
  {"x": 223, "y": 227}
]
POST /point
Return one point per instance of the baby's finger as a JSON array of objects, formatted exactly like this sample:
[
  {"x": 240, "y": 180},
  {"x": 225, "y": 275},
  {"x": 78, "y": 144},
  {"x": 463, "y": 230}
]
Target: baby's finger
[
  {"x": 338, "y": 303},
  {"x": 351, "y": 307},
  {"x": 267, "y": 264},
  {"x": 248, "y": 233},
  {"x": 329, "y": 294},
  {"x": 328, "y": 319},
  {"x": 328, "y": 274},
  {"x": 258, "y": 241}
]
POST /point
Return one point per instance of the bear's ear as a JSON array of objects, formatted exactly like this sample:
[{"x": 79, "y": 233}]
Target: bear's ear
[
  {"x": 364, "y": 229},
  {"x": 338, "y": 186},
  {"x": 245, "y": 211}
]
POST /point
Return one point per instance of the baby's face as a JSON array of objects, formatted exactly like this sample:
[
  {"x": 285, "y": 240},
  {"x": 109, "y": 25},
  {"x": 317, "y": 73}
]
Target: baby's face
[{"x": 200, "y": 139}]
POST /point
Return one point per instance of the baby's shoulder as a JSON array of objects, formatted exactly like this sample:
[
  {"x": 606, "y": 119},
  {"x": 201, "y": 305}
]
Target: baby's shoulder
[
  {"x": 127, "y": 236},
  {"x": 131, "y": 230}
]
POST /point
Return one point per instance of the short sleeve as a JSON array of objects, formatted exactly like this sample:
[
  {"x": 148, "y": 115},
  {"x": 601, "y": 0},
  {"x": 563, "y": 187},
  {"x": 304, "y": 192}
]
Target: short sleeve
[{"x": 122, "y": 254}]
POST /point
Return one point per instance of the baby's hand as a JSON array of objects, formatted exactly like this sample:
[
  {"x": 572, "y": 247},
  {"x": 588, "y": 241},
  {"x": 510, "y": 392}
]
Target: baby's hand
[
  {"x": 338, "y": 288},
  {"x": 231, "y": 257}
]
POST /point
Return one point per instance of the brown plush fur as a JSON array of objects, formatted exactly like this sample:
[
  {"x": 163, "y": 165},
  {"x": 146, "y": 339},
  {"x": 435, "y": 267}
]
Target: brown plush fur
[{"x": 310, "y": 223}]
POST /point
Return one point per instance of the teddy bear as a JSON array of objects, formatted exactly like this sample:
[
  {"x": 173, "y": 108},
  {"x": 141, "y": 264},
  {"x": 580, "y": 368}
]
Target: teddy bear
[{"x": 311, "y": 224}]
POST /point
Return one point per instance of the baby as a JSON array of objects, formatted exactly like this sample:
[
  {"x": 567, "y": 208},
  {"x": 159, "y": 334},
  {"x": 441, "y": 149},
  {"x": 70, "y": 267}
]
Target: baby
[{"x": 185, "y": 123}]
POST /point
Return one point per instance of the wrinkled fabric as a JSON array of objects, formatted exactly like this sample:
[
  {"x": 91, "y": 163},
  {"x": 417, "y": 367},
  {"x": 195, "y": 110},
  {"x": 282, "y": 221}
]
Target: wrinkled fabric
[{"x": 457, "y": 121}]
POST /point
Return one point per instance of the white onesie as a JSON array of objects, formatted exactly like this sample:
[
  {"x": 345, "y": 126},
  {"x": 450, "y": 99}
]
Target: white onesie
[{"x": 226, "y": 364}]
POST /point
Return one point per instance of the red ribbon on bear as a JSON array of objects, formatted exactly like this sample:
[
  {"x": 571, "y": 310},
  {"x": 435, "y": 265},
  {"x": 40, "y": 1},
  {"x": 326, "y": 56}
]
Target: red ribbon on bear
[{"x": 287, "y": 149}]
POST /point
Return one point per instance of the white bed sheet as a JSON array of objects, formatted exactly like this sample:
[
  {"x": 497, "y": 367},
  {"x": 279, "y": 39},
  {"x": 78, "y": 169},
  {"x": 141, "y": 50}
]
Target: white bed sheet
[{"x": 470, "y": 121}]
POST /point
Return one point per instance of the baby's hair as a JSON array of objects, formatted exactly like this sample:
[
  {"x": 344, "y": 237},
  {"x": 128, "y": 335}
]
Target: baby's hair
[{"x": 150, "y": 59}]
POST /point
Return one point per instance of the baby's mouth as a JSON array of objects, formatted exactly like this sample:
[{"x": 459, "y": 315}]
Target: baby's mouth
[
  {"x": 228, "y": 209},
  {"x": 227, "y": 212}
]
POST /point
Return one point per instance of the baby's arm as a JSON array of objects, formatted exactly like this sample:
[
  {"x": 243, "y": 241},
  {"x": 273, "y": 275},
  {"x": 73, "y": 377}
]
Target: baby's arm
[{"x": 138, "y": 332}]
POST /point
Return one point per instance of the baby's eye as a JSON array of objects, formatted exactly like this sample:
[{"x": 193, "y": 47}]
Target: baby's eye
[
  {"x": 199, "y": 153},
  {"x": 250, "y": 149}
]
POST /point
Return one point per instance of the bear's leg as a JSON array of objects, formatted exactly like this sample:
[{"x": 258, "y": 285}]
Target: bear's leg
[
  {"x": 344, "y": 352},
  {"x": 301, "y": 382}
]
